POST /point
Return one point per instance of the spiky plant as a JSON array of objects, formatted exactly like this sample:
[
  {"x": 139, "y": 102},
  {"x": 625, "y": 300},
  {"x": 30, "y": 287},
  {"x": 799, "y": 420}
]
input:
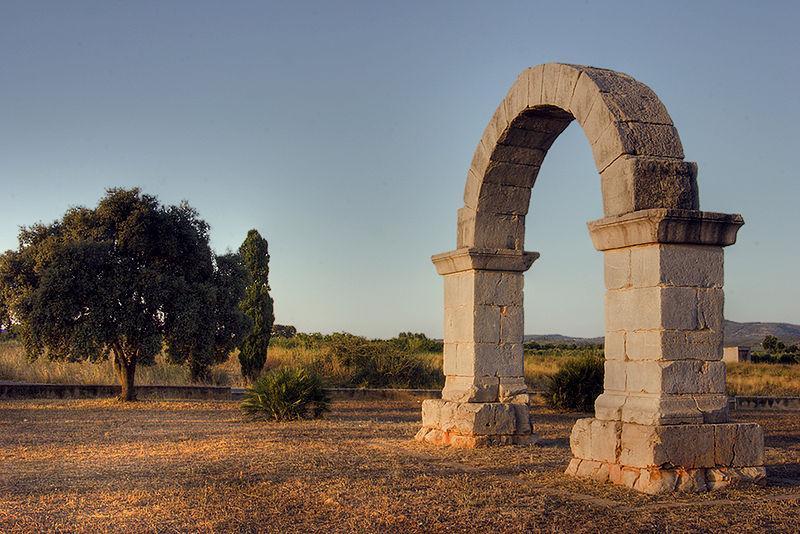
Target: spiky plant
[
  {"x": 286, "y": 393},
  {"x": 577, "y": 384}
]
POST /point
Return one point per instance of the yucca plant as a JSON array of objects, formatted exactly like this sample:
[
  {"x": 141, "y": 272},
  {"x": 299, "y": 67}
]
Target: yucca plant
[
  {"x": 577, "y": 384},
  {"x": 286, "y": 393}
]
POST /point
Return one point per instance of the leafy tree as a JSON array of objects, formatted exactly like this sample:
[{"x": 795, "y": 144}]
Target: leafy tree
[
  {"x": 122, "y": 281},
  {"x": 770, "y": 344},
  {"x": 257, "y": 305}
]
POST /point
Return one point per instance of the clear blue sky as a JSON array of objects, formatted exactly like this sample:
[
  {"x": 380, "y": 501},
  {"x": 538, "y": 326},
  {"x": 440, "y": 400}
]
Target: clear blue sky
[{"x": 343, "y": 132}]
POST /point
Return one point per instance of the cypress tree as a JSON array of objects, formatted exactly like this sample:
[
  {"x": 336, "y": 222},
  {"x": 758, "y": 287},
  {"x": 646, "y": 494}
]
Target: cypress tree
[{"x": 257, "y": 305}]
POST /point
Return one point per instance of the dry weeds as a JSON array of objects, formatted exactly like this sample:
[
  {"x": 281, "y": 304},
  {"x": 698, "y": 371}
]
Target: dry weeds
[{"x": 176, "y": 466}]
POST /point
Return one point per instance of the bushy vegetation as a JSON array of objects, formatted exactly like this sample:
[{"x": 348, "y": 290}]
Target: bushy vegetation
[
  {"x": 286, "y": 393},
  {"x": 577, "y": 384},
  {"x": 776, "y": 351}
]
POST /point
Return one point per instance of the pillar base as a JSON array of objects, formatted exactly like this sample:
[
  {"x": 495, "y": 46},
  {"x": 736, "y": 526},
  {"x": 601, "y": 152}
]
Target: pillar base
[
  {"x": 475, "y": 424},
  {"x": 665, "y": 458},
  {"x": 658, "y": 480}
]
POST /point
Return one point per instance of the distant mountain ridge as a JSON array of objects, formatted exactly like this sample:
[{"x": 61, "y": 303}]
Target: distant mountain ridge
[{"x": 742, "y": 334}]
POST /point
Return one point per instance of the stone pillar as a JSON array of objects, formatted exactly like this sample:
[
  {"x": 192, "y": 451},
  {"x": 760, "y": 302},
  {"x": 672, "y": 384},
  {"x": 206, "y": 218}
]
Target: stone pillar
[
  {"x": 485, "y": 398},
  {"x": 661, "y": 423}
]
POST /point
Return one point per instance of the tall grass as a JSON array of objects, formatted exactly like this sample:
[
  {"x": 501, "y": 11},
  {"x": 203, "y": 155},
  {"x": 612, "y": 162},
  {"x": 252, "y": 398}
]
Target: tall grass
[{"x": 743, "y": 378}]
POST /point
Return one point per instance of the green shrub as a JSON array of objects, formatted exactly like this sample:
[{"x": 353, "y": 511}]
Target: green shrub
[
  {"x": 576, "y": 385},
  {"x": 286, "y": 393},
  {"x": 380, "y": 364}
]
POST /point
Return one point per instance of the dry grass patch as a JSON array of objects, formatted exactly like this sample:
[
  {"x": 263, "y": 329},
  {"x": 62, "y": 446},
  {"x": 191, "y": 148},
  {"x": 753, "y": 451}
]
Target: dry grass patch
[{"x": 100, "y": 465}]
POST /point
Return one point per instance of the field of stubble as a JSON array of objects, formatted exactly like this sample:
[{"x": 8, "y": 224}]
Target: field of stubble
[{"x": 99, "y": 465}]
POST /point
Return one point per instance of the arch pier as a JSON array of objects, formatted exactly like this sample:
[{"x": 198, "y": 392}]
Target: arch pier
[{"x": 661, "y": 423}]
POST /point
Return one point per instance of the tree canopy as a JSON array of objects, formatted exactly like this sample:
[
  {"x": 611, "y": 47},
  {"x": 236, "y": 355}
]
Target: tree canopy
[{"x": 124, "y": 280}]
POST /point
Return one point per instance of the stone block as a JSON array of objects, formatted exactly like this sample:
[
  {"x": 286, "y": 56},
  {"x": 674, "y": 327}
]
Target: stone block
[
  {"x": 710, "y": 304},
  {"x": 567, "y": 79},
  {"x": 583, "y": 97},
  {"x": 504, "y": 199},
  {"x": 674, "y": 345},
  {"x": 675, "y": 377},
  {"x": 550, "y": 79},
  {"x": 658, "y": 183},
  {"x": 668, "y": 446},
  {"x": 511, "y": 324},
  {"x": 489, "y": 359},
  {"x": 516, "y": 174},
  {"x": 518, "y": 155},
  {"x": 676, "y": 265},
  {"x": 498, "y": 288},
  {"x": 516, "y": 99},
  {"x": 541, "y": 140},
  {"x": 645, "y": 139},
  {"x": 608, "y": 406},
  {"x": 656, "y": 481},
  {"x": 513, "y": 390},
  {"x": 471, "y": 388},
  {"x": 605, "y": 442},
  {"x": 614, "y": 346},
  {"x": 477, "y": 168},
  {"x": 522, "y": 418},
  {"x": 614, "y": 376},
  {"x": 535, "y": 77},
  {"x": 479, "y": 323},
  {"x": 580, "y": 439},
  {"x": 749, "y": 447},
  {"x": 661, "y": 410},
  {"x": 691, "y": 480},
  {"x": 432, "y": 412},
  {"x": 617, "y": 268},
  {"x": 472, "y": 187},
  {"x": 483, "y": 419}
]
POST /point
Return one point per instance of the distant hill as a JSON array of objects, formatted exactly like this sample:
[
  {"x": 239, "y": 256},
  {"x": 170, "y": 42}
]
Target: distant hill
[
  {"x": 743, "y": 334},
  {"x": 560, "y": 340},
  {"x": 750, "y": 334}
]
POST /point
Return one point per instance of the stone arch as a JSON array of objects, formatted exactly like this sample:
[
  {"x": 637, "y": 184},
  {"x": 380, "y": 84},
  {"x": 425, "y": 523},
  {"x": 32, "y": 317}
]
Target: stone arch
[
  {"x": 635, "y": 145},
  {"x": 661, "y": 423}
]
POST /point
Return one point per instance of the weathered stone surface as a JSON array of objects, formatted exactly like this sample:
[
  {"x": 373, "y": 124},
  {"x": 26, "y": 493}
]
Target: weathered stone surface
[
  {"x": 674, "y": 345},
  {"x": 675, "y": 377},
  {"x": 687, "y": 446},
  {"x": 661, "y": 423},
  {"x": 614, "y": 347},
  {"x": 483, "y": 259},
  {"x": 696, "y": 266},
  {"x": 471, "y": 388},
  {"x": 632, "y": 183},
  {"x": 659, "y": 225},
  {"x": 617, "y": 265},
  {"x": 513, "y": 390}
]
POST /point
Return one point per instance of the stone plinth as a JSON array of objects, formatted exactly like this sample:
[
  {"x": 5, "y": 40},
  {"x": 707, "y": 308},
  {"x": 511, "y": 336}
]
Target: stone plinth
[
  {"x": 661, "y": 423},
  {"x": 485, "y": 398},
  {"x": 475, "y": 424}
]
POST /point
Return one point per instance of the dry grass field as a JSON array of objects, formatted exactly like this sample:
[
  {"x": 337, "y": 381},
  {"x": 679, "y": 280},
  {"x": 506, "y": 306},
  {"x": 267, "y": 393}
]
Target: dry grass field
[
  {"x": 743, "y": 378},
  {"x": 91, "y": 466}
]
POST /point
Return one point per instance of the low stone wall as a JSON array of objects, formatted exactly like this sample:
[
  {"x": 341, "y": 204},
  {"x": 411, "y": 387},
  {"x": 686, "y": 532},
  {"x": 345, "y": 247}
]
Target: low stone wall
[
  {"x": 17, "y": 390},
  {"x": 765, "y": 403},
  {"x": 367, "y": 393}
]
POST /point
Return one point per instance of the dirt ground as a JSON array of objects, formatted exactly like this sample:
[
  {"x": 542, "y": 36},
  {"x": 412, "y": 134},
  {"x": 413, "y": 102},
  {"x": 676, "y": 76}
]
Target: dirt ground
[{"x": 198, "y": 466}]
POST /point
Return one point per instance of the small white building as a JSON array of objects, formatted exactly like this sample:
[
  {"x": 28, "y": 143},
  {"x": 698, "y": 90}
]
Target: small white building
[{"x": 736, "y": 354}]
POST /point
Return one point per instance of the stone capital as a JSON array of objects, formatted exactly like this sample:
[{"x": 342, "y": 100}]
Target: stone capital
[
  {"x": 661, "y": 225},
  {"x": 483, "y": 259}
]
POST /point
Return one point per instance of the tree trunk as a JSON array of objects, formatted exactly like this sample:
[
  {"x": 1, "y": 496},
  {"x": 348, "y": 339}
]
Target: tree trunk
[{"x": 126, "y": 371}]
